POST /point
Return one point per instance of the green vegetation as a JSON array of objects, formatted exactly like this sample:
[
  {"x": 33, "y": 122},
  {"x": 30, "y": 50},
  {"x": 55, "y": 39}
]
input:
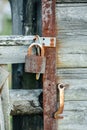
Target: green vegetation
[{"x": 7, "y": 27}]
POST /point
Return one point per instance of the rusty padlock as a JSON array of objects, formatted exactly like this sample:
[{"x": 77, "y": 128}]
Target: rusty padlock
[{"x": 35, "y": 63}]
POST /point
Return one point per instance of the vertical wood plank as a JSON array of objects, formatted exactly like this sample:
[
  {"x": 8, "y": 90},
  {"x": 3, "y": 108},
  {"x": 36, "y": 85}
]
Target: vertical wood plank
[
  {"x": 5, "y": 103},
  {"x": 2, "y": 125},
  {"x": 49, "y": 81},
  {"x": 17, "y": 26},
  {"x": 4, "y": 110}
]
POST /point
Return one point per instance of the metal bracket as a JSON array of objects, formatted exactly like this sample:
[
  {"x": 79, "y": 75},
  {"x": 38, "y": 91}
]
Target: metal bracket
[{"x": 46, "y": 41}]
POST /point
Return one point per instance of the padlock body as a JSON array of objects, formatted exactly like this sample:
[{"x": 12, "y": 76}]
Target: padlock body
[{"x": 35, "y": 64}]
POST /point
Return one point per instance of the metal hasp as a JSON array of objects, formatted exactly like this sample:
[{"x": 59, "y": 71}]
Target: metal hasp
[{"x": 49, "y": 78}]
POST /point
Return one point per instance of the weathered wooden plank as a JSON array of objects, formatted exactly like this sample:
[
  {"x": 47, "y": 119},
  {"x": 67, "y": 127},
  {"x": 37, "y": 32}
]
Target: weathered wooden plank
[
  {"x": 27, "y": 102},
  {"x": 71, "y": 20},
  {"x": 72, "y": 31},
  {"x": 77, "y": 90},
  {"x": 15, "y": 40},
  {"x": 17, "y": 54},
  {"x": 73, "y": 120},
  {"x": 75, "y": 98},
  {"x": 2, "y": 124},
  {"x": 5, "y": 102},
  {"x": 77, "y": 81},
  {"x": 72, "y": 60},
  {"x": 20, "y": 40},
  {"x": 76, "y": 95},
  {"x": 3, "y": 76},
  {"x": 72, "y": 126},
  {"x": 71, "y": 1},
  {"x": 74, "y": 114},
  {"x": 14, "y": 48},
  {"x": 75, "y": 106},
  {"x": 72, "y": 73}
]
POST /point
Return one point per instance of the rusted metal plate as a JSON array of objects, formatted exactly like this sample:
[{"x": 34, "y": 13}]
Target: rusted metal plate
[
  {"x": 48, "y": 18},
  {"x": 35, "y": 64},
  {"x": 49, "y": 90},
  {"x": 49, "y": 78}
]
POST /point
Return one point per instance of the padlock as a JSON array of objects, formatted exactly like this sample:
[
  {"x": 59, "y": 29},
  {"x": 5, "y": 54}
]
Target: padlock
[{"x": 35, "y": 63}]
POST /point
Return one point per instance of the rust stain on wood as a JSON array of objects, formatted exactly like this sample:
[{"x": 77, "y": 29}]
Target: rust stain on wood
[{"x": 58, "y": 47}]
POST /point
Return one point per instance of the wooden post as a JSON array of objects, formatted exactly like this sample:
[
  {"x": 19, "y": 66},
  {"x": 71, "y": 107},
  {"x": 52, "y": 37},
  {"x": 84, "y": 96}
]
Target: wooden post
[
  {"x": 6, "y": 105},
  {"x": 4, "y": 99},
  {"x": 49, "y": 78},
  {"x": 2, "y": 124}
]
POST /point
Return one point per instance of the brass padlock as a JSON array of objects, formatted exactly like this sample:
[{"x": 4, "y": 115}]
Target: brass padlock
[{"x": 35, "y": 63}]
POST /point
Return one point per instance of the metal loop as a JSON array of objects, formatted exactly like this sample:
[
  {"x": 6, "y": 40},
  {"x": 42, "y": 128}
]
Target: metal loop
[
  {"x": 35, "y": 44},
  {"x": 61, "y": 88}
]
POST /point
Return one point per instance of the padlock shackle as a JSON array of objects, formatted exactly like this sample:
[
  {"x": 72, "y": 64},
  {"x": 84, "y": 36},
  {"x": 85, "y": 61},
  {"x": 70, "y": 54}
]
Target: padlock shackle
[{"x": 35, "y": 44}]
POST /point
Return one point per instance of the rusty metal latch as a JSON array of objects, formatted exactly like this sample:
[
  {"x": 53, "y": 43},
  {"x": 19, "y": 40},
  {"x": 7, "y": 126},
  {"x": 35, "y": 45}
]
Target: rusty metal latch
[{"x": 58, "y": 113}]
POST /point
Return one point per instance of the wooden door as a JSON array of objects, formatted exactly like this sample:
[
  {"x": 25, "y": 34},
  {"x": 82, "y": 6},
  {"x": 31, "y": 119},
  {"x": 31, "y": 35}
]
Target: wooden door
[{"x": 72, "y": 61}]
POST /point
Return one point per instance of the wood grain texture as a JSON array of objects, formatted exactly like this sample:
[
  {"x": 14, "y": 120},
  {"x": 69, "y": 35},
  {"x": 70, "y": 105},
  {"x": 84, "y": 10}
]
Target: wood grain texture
[
  {"x": 2, "y": 124},
  {"x": 72, "y": 73},
  {"x": 17, "y": 55},
  {"x": 3, "y": 76},
  {"x": 14, "y": 48},
  {"x": 5, "y": 101},
  {"x": 72, "y": 32},
  {"x": 73, "y": 120},
  {"x": 25, "y": 102},
  {"x": 76, "y": 79},
  {"x": 75, "y": 98},
  {"x": 71, "y": 19}
]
